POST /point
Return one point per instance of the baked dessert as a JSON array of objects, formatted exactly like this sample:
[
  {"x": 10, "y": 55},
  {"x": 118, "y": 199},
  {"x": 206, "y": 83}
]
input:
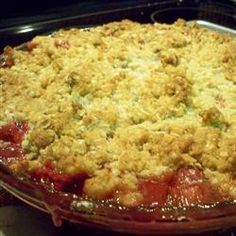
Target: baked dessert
[{"x": 139, "y": 114}]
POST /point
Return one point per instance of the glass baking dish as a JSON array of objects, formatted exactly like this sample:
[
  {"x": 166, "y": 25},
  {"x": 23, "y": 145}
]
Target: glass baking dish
[{"x": 217, "y": 16}]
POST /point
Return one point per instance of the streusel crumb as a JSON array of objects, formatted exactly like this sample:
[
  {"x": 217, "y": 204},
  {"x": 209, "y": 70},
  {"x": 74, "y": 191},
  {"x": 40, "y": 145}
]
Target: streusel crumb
[{"x": 125, "y": 101}]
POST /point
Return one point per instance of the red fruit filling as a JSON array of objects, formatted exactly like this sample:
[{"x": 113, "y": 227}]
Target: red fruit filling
[
  {"x": 13, "y": 132},
  {"x": 12, "y": 135},
  {"x": 51, "y": 177},
  {"x": 10, "y": 152},
  {"x": 28, "y": 46},
  {"x": 62, "y": 44},
  {"x": 188, "y": 186},
  {"x": 6, "y": 61},
  {"x": 155, "y": 190}
]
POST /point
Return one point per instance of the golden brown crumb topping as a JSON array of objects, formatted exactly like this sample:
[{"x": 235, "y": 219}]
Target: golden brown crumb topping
[{"x": 125, "y": 101}]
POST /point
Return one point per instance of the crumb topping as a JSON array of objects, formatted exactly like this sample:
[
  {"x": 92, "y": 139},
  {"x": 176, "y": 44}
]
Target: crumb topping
[{"x": 125, "y": 101}]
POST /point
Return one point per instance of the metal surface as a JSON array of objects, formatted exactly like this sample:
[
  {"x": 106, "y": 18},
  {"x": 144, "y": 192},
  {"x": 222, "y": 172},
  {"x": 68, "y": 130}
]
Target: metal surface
[{"x": 216, "y": 27}]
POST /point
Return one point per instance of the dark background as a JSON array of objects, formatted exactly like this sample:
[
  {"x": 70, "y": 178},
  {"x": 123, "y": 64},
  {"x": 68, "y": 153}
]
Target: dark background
[
  {"x": 18, "y": 9},
  {"x": 17, "y": 12}
]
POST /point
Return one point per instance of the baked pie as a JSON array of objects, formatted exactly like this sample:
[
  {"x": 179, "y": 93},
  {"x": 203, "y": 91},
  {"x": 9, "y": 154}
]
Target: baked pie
[{"x": 137, "y": 114}]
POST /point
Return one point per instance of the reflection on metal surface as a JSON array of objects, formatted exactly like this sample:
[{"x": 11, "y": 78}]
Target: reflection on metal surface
[
  {"x": 219, "y": 28},
  {"x": 25, "y": 29},
  {"x": 193, "y": 19},
  {"x": 206, "y": 16}
]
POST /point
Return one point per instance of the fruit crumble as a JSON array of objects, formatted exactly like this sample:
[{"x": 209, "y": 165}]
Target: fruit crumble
[{"x": 140, "y": 114}]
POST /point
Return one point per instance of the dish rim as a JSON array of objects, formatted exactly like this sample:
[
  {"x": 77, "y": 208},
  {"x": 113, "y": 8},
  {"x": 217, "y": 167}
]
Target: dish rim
[{"x": 108, "y": 216}]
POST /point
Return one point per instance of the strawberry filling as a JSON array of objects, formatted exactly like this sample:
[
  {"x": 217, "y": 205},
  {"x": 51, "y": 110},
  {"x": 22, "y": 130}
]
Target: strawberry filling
[
  {"x": 12, "y": 135},
  {"x": 10, "y": 152},
  {"x": 155, "y": 190},
  {"x": 13, "y": 132},
  {"x": 188, "y": 186},
  {"x": 49, "y": 176}
]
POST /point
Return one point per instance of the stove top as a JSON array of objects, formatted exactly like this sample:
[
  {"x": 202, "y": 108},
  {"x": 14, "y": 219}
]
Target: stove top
[
  {"x": 20, "y": 25},
  {"x": 15, "y": 12}
]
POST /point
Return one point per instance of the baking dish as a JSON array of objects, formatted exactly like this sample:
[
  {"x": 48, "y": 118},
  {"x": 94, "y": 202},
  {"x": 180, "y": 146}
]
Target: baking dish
[{"x": 106, "y": 215}]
